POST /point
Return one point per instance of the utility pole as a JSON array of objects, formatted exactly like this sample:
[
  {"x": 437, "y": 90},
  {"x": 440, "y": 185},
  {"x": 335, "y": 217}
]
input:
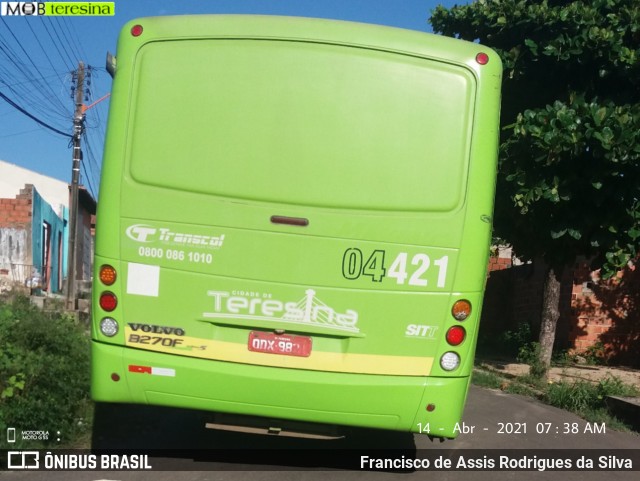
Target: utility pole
[{"x": 78, "y": 125}]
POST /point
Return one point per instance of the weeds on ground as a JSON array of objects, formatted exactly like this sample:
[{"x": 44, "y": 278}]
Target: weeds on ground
[
  {"x": 487, "y": 379},
  {"x": 580, "y": 397},
  {"x": 583, "y": 396}
]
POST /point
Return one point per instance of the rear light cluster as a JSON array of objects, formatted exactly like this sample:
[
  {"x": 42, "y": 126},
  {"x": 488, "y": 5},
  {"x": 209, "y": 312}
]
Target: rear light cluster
[
  {"x": 456, "y": 335},
  {"x": 108, "y": 300}
]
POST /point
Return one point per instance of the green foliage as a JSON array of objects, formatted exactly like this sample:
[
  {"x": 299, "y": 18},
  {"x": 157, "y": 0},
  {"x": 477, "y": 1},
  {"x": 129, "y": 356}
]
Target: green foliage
[
  {"x": 530, "y": 354},
  {"x": 565, "y": 167},
  {"x": 44, "y": 371},
  {"x": 519, "y": 338},
  {"x": 589, "y": 44},
  {"x": 486, "y": 379},
  {"x": 508, "y": 343},
  {"x": 569, "y": 176},
  {"x": 522, "y": 389},
  {"x": 584, "y": 396},
  {"x": 595, "y": 354}
]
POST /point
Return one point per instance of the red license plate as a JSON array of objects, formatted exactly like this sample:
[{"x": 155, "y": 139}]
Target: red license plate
[{"x": 286, "y": 344}]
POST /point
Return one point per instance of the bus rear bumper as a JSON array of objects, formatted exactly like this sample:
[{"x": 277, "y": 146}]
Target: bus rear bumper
[{"x": 399, "y": 403}]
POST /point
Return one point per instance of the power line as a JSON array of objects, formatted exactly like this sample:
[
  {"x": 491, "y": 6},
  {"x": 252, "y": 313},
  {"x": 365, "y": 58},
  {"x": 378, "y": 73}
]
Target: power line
[
  {"x": 33, "y": 117},
  {"x": 19, "y": 133},
  {"x": 11, "y": 55},
  {"x": 31, "y": 80},
  {"x": 70, "y": 65},
  {"x": 62, "y": 27},
  {"x": 47, "y": 57}
]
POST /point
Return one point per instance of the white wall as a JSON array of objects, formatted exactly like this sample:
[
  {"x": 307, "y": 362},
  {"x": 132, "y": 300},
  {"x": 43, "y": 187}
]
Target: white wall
[{"x": 13, "y": 178}]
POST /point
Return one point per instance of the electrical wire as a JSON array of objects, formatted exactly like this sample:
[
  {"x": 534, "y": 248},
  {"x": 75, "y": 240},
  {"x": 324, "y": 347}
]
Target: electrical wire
[
  {"x": 33, "y": 117},
  {"x": 62, "y": 56},
  {"x": 47, "y": 56},
  {"x": 23, "y": 80},
  {"x": 24, "y": 69}
]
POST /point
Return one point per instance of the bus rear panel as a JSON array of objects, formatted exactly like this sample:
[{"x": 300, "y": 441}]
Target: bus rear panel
[{"x": 294, "y": 220}]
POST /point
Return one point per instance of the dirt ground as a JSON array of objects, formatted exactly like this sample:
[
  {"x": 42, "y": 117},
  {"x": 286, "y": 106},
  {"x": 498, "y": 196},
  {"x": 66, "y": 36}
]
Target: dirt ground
[{"x": 574, "y": 372}]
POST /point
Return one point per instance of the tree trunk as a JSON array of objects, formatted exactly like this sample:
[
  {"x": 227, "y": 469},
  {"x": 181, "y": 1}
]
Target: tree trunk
[{"x": 550, "y": 315}]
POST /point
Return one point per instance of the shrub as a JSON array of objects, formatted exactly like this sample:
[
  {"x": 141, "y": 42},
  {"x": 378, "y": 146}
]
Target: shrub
[
  {"x": 508, "y": 343},
  {"x": 530, "y": 354},
  {"x": 584, "y": 396},
  {"x": 44, "y": 371}
]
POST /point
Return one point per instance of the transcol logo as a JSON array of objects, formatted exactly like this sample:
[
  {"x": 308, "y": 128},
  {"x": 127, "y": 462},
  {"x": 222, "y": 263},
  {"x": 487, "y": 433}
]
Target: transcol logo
[
  {"x": 145, "y": 233},
  {"x": 140, "y": 232}
]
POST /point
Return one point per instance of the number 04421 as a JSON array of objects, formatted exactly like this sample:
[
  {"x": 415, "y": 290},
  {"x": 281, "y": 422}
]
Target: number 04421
[{"x": 413, "y": 271}]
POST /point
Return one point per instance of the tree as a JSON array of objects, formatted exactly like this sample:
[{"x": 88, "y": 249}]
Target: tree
[{"x": 569, "y": 168}]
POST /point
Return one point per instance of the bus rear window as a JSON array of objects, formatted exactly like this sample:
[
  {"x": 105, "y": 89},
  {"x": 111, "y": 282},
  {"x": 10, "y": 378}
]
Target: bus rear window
[{"x": 301, "y": 123}]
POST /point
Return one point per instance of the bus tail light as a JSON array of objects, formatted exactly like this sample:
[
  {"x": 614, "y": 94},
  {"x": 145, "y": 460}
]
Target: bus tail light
[
  {"x": 108, "y": 301},
  {"x": 107, "y": 275},
  {"x": 109, "y": 326},
  {"x": 461, "y": 310},
  {"x": 456, "y": 335},
  {"x": 449, "y": 361}
]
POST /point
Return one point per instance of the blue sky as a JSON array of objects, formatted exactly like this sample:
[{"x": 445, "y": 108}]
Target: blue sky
[{"x": 38, "y": 54}]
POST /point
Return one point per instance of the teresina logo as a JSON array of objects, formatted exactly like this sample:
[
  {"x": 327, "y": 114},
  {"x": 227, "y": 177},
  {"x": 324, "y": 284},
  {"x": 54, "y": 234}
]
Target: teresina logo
[
  {"x": 145, "y": 234},
  {"x": 309, "y": 310}
]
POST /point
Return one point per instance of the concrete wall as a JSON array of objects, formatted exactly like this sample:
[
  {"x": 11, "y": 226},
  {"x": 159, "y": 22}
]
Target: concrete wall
[
  {"x": 15, "y": 237},
  {"x": 47, "y": 248},
  {"x": 15, "y": 249},
  {"x": 24, "y": 247}
]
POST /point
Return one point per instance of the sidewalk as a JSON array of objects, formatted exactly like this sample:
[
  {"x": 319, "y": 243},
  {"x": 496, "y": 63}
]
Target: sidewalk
[{"x": 624, "y": 408}]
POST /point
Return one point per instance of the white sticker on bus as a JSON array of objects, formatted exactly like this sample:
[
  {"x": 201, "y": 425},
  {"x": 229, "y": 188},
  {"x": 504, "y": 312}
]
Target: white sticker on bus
[{"x": 143, "y": 280}]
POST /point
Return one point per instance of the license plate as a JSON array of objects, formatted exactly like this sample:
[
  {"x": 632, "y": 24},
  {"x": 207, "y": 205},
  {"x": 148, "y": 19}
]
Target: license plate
[{"x": 285, "y": 344}]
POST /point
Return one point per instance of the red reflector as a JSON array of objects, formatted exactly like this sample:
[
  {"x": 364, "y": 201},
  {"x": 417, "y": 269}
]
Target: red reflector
[
  {"x": 136, "y": 30},
  {"x": 456, "y": 335},
  {"x": 115, "y": 377},
  {"x": 431, "y": 407},
  {"x": 482, "y": 58},
  {"x": 299, "y": 221},
  {"x": 140, "y": 369},
  {"x": 108, "y": 301}
]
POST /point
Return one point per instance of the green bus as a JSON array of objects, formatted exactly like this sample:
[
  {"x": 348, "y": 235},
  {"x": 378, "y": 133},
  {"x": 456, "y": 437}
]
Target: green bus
[{"x": 294, "y": 222}]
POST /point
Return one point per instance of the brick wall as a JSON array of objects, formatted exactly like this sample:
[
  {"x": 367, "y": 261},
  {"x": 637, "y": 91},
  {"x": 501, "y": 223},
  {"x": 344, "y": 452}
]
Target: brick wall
[
  {"x": 17, "y": 212},
  {"x": 501, "y": 258},
  {"x": 606, "y": 312},
  {"x": 592, "y": 310}
]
